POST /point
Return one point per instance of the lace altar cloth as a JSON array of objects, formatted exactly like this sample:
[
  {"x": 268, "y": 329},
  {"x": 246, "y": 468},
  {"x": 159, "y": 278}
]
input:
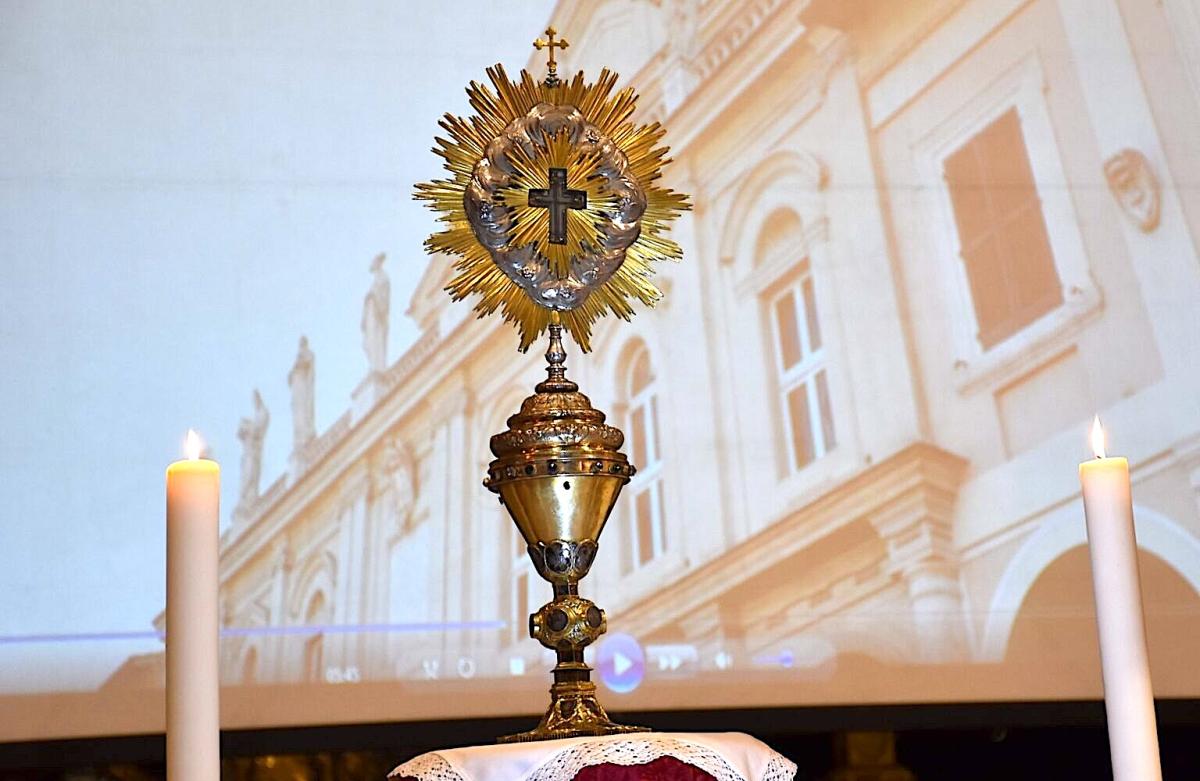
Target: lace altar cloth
[{"x": 726, "y": 756}]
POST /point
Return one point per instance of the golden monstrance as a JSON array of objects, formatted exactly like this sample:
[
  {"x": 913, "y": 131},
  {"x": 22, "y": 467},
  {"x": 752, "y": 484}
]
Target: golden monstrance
[{"x": 553, "y": 212}]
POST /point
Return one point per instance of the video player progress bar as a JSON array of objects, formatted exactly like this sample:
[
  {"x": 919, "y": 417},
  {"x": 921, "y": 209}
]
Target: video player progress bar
[{"x": 259, "y": 631}]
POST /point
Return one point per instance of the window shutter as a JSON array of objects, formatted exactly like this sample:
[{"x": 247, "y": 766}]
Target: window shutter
[{"x": 1002, "y": 235}]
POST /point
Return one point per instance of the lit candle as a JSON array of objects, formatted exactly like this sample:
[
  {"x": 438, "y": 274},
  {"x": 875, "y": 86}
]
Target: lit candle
[
  {"x": 193, "y": 731},
  {"x": 1128, "y": 698}
]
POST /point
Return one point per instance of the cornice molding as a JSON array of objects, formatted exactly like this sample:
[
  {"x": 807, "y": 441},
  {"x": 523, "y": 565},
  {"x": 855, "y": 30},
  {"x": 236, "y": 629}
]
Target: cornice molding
[
  {"x": 920, "y": 472},
  {"x": 736, "y": 33},
  {"x": 826, "y": 50}
]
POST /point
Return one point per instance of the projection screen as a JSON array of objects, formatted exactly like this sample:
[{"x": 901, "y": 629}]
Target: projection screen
[{"x": 930, "y": 240}]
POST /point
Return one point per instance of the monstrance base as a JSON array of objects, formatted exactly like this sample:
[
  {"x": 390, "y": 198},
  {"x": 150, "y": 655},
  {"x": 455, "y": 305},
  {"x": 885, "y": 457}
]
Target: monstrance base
[{"x": 574, "y": 712}]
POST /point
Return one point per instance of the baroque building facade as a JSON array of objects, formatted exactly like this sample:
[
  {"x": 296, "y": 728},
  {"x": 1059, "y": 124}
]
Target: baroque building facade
[{"x": 929, "y": 241}]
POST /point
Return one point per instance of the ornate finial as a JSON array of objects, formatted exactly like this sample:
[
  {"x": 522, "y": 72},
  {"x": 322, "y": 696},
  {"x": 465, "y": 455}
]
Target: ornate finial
[
  {"x": 549, "y": 43},
  {"x": 556, "y": 357}
]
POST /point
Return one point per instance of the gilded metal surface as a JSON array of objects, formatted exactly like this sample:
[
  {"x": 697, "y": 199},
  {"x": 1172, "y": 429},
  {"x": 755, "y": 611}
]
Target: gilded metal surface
[
  {"x": 595, "y": 248},
  {"x": 568, "y": 622},
  {"x": 553, "y": 210},
  {"x": 574, "y": 712},
  {"x": 562, "y": 423},
  {"x": 518, "y": 133},
  {"x": 558, "y": 470},
  {"x": 563, "y": 508}
]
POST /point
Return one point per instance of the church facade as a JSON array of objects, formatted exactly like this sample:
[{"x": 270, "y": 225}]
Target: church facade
[{"x": 930, "y": 240}]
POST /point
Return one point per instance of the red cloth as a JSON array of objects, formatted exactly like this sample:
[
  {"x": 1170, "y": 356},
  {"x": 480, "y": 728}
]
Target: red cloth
[{"x": 661, "y": 769}]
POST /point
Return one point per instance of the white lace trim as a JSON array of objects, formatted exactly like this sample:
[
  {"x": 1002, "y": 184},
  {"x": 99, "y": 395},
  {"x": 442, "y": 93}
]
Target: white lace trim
[
  {"x": 426, "y": 767},
  {"x": 566, "y": 764}
]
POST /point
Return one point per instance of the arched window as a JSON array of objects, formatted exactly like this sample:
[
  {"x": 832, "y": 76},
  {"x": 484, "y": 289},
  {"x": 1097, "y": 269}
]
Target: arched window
[
  {"x": 797, "y": 345},
  {"x": 781, "y": 233},
  {"x": 314, "y": 647},
  {"x": 646, "y": 532}
]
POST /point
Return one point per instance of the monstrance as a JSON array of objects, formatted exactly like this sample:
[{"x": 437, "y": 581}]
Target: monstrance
[{"x": 553, "y": 213}]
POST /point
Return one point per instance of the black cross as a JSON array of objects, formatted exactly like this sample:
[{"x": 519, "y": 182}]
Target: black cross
[{"x": 558, "y": 199}]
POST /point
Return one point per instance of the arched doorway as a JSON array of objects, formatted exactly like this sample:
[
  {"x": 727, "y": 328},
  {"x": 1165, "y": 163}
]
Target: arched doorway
[{"x": 1054, "y": 635}]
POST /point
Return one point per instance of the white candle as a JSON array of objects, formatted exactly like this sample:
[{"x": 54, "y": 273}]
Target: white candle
[
  {"x": 1128, "y": 699},
  {"x": 193, "y": 731}
]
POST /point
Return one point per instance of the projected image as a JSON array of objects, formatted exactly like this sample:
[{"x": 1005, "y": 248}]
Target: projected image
[{"x": 927, "y": 246}]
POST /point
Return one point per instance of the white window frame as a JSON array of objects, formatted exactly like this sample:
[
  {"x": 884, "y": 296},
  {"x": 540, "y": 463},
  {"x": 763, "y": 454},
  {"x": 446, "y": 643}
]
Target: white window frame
[
  {"x": 649, "y": 475},
  {"x": 1021, "y": 87},
  {"x": 812, "y": 363}
]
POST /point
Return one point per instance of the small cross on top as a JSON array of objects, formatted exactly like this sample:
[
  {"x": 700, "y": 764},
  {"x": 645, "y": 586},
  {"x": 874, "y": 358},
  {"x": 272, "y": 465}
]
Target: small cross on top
[{"x": 549, "y": 43}]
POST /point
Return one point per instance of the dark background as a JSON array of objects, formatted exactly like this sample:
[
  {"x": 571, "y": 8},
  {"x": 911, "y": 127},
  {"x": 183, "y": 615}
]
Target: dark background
[{"x": 1044, "y": 740}]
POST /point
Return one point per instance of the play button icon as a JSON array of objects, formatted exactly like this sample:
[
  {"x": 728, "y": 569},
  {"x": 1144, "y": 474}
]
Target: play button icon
[{"x": 621, "y": 663}]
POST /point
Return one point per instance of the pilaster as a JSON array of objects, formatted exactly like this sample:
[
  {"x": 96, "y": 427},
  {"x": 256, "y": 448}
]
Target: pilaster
[
  {"x": 1164, "y": 258},
  {"x": 916, "y": 524},
  {"x": 732, "y": 501},
  {"x": 452, "y": 409},
  {"x": 283, "y": 562},
  {"x": 381, "y": 509},
  {"x": 693, "y": 483},
  {"x": 352, "y": 578}
]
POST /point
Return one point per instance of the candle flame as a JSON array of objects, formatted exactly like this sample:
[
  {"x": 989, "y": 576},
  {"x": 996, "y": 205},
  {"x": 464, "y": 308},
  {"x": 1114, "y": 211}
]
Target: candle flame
[
  {"x": 194, "y": 446},
  {"x": 1097, "y": 438}
]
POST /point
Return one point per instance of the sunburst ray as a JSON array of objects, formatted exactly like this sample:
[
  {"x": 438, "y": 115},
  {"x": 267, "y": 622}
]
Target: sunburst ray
[{"x": 610, "y": 112}]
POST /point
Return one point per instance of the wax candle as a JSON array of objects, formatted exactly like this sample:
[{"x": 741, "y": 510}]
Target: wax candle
[
  {"x": 1128, "y": 699},
  {"x": 193, "y": 731}
]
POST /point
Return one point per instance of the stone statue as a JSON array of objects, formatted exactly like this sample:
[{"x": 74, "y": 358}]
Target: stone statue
[
  {"x": 1136, "y": 188},
  {"x": 375, "y": 317},
  {"x": 300, "y": 380},
  {"x": 252, "y": 431}
]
